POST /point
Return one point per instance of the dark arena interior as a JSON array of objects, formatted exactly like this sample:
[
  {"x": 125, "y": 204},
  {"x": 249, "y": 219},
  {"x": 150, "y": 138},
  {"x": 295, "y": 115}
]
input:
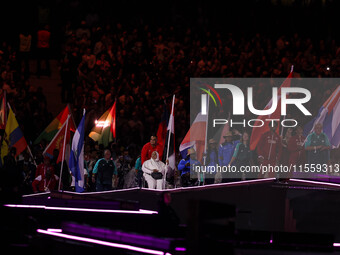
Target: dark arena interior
[{"x": 108, "y": 143}]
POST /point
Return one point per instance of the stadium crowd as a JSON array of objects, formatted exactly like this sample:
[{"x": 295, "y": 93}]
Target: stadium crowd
[{"x": 141, "y": 66}]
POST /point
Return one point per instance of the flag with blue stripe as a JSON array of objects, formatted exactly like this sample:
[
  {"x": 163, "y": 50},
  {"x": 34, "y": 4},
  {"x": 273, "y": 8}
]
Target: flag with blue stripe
[
  {"x": 76, "y": 161},
  {"x": 329, "y": 117}
]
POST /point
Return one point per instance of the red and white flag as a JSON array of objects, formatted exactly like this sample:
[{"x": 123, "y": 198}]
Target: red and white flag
[
  {"x": 195, "y": 137},
  {"x": 257, "y": 132},
  {"x": 169, "y": 145}
]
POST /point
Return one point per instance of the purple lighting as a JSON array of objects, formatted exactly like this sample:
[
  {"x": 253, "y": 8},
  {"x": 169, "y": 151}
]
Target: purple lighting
[
  {"x": 336, "y": 244},
  {"x": 271, "y": 241},
  {"x": 116, "y": 236},
  {"x": 180, "y": 249},
  {"x": 140, "y": 211},
  {"x": 100, "y": 242}
]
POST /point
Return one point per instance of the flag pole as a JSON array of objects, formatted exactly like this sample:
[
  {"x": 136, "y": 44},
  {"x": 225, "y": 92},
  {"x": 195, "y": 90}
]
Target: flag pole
[
  {"x": 5, "y": 116},
  {"x": 284, "y": 117},
  {"x": 5, "y": 121},
  {"x": 82, "y": 151},
  {"x": 115, "y": 118},
  {"x": 114, "y": 136},
  {"x": 30, "y": 152},
  {"x": 205, "y": 141},
  {"x": 63, "y": 157},
  {"x": 169, "y": 137},
  {"x": 172, "y": 111}
]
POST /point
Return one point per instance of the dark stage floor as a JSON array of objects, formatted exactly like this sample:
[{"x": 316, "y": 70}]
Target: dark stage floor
[{"x": 247, "y": 217}]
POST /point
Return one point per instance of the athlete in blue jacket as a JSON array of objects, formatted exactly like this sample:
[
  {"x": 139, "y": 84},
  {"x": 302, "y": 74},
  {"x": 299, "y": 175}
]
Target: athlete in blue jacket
[
  {"x": 226, "y": 149},
  {"x": 187, "y": 164}
]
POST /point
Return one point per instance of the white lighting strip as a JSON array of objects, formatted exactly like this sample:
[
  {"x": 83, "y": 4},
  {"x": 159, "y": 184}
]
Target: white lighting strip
[{"x": 140, "y": 211}]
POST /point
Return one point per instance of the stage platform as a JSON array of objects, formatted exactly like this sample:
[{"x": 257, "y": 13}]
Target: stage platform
[{"x": 299, "y": 213}]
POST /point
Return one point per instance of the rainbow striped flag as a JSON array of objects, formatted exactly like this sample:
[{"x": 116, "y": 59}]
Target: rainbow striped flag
[
  {"x": 58, "y": 141},
  {"x": 105, "y": 128},
  {"x": 55, "y": 125}
]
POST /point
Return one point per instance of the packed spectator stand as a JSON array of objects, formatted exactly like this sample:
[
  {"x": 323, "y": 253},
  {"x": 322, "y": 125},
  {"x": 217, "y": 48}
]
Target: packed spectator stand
[{"x": 141, "y": 65}]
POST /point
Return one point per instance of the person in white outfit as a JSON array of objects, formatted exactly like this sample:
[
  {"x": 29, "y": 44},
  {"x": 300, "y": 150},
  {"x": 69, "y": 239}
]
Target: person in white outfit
[{"x": 154, "y": 165}]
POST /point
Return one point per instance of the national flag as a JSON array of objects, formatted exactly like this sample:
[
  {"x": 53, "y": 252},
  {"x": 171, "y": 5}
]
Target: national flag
[
  {"x": 258, "y": 131},
  {"x": 76, "y": 161},
  {"x": 51, "y": 130},
  {"x": 3, "y": 115},
  {"x": 329, "y": 116},
  {"x": 162, "y": 127},
  {"x": 13, "y": 136},
  {"x": 195, "y": 137},
  {"x": 59, "y": 141},
  {"x": 104, "y": 130},
  {"x": 219, "y": 136},
  {"x": 169, "y": 145}
]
